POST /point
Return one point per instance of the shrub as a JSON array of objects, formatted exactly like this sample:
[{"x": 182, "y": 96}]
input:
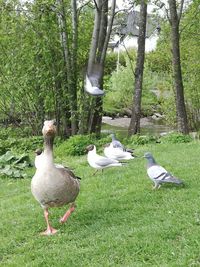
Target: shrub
[
  {"x": 13, "y": 165},
  {"x": 76, "y": 145},
  {"x": 21, "y": 144},
  {"x": 175, "y": 137},
  {"x": 142, "y": 139}
]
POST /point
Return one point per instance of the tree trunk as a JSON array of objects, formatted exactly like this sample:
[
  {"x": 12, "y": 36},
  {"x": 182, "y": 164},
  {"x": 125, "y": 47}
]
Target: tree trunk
[
  {"x": 100, "y": 39},
  {"x": 95, "y": 36},
  {"x": 134, "y": 126},
  {"x": 71, "y": 83},
  {"x": 182, "y": 122}
]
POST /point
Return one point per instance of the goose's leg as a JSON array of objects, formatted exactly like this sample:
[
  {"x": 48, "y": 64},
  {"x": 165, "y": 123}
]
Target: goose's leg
[
  {"x": 68, "y": 213},
  {"x": 50, "y": 230}
]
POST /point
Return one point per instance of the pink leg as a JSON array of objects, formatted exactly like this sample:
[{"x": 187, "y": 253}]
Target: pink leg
[
  {"x": 68, "y": 213},
  {"x": 50, "y": 230}
]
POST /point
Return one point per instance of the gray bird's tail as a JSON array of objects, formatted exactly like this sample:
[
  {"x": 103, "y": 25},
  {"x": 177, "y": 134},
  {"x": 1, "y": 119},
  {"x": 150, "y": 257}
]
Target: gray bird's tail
[{"x": 173, "y": 179}]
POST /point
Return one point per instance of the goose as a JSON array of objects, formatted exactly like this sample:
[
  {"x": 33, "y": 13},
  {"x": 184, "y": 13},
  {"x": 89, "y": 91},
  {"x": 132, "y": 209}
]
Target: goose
[
  {"x": 116, "y": 153},
  {"x": 53, "y": 186},
  {"x": 99, "y": 162},
  {"x": 158, "y": 174},
  {"x": 39, "y": 160}
]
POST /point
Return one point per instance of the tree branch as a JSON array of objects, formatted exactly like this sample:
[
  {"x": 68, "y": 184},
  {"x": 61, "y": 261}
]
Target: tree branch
[
  {"x": 110, "y": 24},
  {"x": 180, "y": 10},
  {"x": 96, "y": 5},
  {"x": 167, "y": 14}
]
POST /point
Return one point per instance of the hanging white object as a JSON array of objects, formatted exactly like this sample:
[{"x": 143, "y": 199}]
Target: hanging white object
[
  {"x": 92, "y": 90},
  {"x": 92, "y": 79}
]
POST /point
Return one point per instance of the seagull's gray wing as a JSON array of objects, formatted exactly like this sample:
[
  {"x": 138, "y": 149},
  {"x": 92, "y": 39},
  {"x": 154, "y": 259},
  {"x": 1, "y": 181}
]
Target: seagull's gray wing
[{"x": 103, "y": 161}]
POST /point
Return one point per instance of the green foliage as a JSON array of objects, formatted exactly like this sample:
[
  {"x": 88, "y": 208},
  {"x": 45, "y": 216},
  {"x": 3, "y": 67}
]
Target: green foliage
[
  {"x": 142, "y": 139},
  {"x": 191, "y": 63},
  {"x": 13, "y": 166},
  {"x": 169, "y": 109},
  {"x": 14, "y": 132},
  {"x": 120, "y": 90},
  {"x": 175, "y": 137},
  {"x": 111, "y": 62},
  {"x": 33, "y": 77},
  {"x": 21, "y": 144},
  {"x": 76, "y": 145},
  {"x": 159, "y": 61},
  {"x": 119, "y": 96}
]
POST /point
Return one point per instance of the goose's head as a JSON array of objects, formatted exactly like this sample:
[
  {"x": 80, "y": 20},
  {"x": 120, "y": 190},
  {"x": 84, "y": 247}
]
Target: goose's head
[{"x": 49, "y": 128}]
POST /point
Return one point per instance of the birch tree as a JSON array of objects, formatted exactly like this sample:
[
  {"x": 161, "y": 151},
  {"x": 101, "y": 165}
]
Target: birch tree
[
  {"x": 134, "y": 126},
  {"x": 174, "y": 19},
  {"x": 98, "y": 48}
]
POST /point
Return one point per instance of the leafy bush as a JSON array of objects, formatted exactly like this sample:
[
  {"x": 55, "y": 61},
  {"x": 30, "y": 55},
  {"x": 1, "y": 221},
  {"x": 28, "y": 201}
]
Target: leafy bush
[
  {"x": 175, "y": 138},
  {"x": 111, "y": 62},
  {"x": 21, "y": 144},
  {"x": 14, "y": 132},
  {"x": 169, "y": 109},
  {"x": 120, "y": 87},
  {"x": 142, "y": 139},
  {"x": 120, "y": 90},
  {"x": 13, "y": 165},
  {"x": 76, "y": 145}
]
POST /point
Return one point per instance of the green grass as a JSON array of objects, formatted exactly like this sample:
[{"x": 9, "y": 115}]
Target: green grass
[{"x": 119, "y": 220}]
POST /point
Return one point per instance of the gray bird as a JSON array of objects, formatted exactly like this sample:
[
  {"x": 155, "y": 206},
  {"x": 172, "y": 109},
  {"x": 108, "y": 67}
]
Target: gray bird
[
  {"x": 117, "y": 143},
  {"x": 158, "y": 174},
  {"x": 92, "y": 81}
]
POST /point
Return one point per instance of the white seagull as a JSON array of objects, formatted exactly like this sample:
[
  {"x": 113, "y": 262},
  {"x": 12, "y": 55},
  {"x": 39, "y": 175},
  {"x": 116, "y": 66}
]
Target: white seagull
[
  {"x": 116, "y": 153},
  {"x": 158, "y": 174},
  {"x": 99, "y": 162}
]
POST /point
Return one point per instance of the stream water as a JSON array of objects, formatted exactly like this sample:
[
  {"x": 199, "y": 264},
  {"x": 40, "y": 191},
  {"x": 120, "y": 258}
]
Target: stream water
[{"x": 148, "y": 126}]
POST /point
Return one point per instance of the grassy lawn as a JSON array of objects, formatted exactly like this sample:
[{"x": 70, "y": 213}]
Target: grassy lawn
[{"x": 119, "y": 220}]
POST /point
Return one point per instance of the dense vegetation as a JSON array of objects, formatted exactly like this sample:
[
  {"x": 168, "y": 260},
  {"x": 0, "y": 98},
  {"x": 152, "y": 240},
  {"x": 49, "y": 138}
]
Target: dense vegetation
[
  {"x": 34, "y": 78},
  {"x": 158, "y": 94}
]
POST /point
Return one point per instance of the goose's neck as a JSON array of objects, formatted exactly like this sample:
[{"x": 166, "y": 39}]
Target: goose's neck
[{"x": 48, "y": 149}]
